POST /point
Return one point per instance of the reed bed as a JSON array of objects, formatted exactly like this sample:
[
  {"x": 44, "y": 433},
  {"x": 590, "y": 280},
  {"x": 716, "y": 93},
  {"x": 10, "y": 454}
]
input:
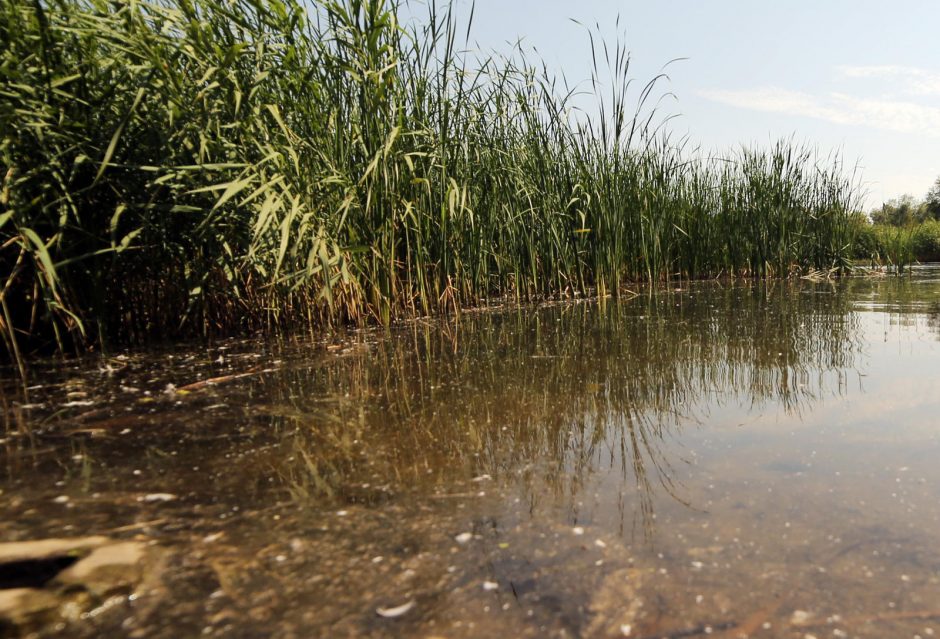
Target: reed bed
[
  {"x": 176, "y": 168},
  {"x": 897, "y": 246}
]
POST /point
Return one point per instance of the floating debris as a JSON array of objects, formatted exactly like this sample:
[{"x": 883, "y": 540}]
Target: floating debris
[
  {"x": 157, "y": 497},
  {"x": 397, "y": 611}
]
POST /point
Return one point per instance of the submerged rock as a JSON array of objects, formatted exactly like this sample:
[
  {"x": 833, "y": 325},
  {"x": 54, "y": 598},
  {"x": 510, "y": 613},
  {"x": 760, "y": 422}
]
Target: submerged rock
[
  {"x": 110, "y": 568},
  {"x": 24, "y": 607},
  {"x": 54, "y": 581},
  {"x": 47, "y": 548},
  {"x": 616, "y": 604}
]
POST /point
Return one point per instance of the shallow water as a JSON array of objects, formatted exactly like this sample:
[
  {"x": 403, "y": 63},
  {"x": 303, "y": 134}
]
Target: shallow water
[{"x": 715, "y": 460}]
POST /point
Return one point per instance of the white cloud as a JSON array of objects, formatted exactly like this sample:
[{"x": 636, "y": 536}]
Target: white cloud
[
  {"x": 916, "y": 81},
  {"x": 839, "y": 108}
]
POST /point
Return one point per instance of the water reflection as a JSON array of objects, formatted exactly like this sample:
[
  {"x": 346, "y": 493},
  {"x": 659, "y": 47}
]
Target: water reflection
[
  {"x": 504, "y": 472},
  {"x": 904, "y": 300},
  {"x": 550, "y": 398}
]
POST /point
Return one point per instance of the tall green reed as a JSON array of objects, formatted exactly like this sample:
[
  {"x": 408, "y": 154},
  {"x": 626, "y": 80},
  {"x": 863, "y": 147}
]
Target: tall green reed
[{"x": 181, "y": 167}]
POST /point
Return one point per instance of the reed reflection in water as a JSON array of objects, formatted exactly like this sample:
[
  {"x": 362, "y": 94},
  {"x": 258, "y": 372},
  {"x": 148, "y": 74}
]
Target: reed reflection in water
[{"x": 549, "y": 398}]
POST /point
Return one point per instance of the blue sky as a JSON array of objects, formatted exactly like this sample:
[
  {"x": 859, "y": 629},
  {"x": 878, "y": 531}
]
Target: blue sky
[{"x": 860, "y": 76}]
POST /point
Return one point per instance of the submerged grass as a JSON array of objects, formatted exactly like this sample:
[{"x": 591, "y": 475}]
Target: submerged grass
[{"x": 181, "y": 167}]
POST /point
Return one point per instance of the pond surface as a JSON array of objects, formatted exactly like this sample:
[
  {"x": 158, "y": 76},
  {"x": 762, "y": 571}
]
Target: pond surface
[{"x": 717, "y": 460}]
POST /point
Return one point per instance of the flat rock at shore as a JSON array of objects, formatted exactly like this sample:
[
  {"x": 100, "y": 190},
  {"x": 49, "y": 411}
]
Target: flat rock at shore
[{"x": 54, "y": 581}]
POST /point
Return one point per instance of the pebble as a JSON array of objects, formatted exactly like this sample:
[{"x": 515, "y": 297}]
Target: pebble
[
  {"x": 490, "y": 585},
  {"x": 799, "y": 616},
  {"x": 578, "y": 530},
  {"x": 463, "y": 537}
]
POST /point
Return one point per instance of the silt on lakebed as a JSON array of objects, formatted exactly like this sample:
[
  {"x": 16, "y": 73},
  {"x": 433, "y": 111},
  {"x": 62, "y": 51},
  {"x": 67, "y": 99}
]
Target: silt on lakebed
[{"x": 720, "y": 460}]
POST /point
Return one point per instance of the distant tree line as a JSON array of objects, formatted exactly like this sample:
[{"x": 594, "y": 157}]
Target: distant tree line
[
  {"x": 901, "y": 231},
  {"x": 907, "y": 210}
]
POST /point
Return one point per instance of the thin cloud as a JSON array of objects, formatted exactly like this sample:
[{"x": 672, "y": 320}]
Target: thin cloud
[
  {"x": 915, "y": 81},
  {"x": 839, "y": 108}
]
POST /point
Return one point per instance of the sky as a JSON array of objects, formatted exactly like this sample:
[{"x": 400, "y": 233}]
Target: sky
[{"x": 859, "y": 77}]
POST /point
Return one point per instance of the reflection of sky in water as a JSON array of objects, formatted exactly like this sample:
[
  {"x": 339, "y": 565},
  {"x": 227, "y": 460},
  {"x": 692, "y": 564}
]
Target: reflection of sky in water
[
  {"x": 894, "y": 386},
  {"x": 850, "y": 418}
]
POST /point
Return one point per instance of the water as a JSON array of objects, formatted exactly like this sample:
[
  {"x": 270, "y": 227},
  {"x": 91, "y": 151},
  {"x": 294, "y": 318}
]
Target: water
[{"x": 715, "y": 460}]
